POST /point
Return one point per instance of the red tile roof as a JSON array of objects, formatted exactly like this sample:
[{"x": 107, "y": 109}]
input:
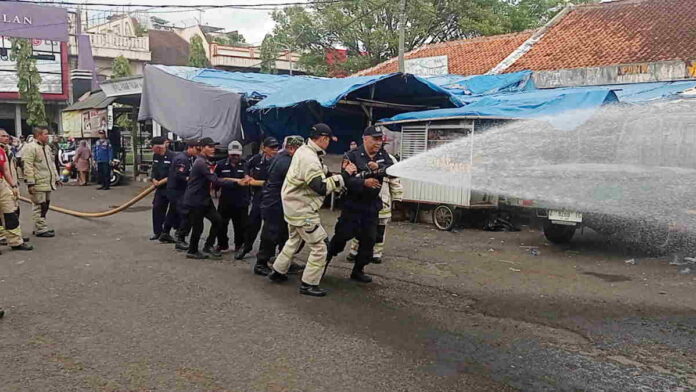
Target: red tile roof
[
  {"x": 619, "y": 32},
  {"x": 466, "y": 57}
]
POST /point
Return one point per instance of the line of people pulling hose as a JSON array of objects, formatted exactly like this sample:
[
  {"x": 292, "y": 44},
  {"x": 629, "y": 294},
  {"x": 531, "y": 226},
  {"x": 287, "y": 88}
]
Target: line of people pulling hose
[{"x": 286, "y": 190}]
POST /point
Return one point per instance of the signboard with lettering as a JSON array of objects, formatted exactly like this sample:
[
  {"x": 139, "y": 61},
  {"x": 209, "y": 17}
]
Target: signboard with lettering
[
  {"x": 93, "y": 121},
  {"x": 634, "y": 69},
  {"x": 50, "y": 66},
  {"x": 119, "y": 88},
  {"x": 24, "y": 20},
  {"x": 427, "y": 66}
]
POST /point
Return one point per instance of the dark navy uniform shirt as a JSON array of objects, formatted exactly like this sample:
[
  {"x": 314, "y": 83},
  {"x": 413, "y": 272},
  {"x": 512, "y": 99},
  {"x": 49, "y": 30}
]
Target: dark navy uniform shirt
[
  {"x": 160, "y": 167},
  {"x": 359, "y": 197},
  {"x": 234, "y": 195},
  {"x": 179, "y": 172},
  {"x": 257, "y": 168},
  {"x": 200, "y": 180},
  {"x": 277, "y": 170}
]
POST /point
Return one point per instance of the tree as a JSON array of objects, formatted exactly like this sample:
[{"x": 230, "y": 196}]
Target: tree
[
  {"x": 28, "y": 81},
  {"x": 120, "y": 68},
  {"x": 369, "y": 29},
  {"x": 233, "y": 38},
  {"x": 197, "y": 56},
  {"x": 269, "y": 54}
]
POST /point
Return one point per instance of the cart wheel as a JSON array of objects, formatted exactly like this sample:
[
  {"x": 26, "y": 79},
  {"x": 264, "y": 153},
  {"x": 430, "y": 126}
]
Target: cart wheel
[
  {"x": 558, "y": 234},
  {"x": 444, "y": 217}
]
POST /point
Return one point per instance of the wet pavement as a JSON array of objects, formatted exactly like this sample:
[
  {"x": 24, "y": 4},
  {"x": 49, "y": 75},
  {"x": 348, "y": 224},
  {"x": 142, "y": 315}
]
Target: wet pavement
[{"x": 101, "y": 308}]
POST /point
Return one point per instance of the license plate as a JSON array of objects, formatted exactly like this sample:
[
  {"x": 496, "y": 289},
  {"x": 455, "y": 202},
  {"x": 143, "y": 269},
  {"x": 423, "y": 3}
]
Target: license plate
[{"x": 565, "y": 216}]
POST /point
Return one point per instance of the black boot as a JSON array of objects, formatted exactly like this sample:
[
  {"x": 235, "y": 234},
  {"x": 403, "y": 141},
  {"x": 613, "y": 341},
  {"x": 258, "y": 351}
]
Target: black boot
[
  {"x": 212, "y": 253},
  {"x": 23, "y": 247},
  {"x": 155, "y": 237},
  {"x": 2, "y": 313},
  {"x": 196, "y": 256},
  {"x": 360, "y": 276},
  {"x": 166, "y": 238},
  {"x": 376, "y": 260},
  {"x": 240, "y": 255},
  {"x": 181, "y": 244},
  {"x": 262, "y": 269},
  {"x": 312, "y": 290},
  {"x": 277, "y": 277}
]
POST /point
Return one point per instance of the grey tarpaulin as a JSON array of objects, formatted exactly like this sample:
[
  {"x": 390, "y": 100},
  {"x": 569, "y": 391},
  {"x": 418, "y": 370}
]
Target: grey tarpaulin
[{"x": 190, "y": 109}]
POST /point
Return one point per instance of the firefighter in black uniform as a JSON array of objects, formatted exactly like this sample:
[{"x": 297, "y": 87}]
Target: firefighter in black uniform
[
  {"x": 234, "y": 201},
  {"x": 275, "y": 230},
  {"x": 360, "y": 215},
  {"x": 176, "y": 187},
  {"x": 257, "y": 173},
  {"x": 200, "y": 205},
  {"x": 164, "y": 216}
]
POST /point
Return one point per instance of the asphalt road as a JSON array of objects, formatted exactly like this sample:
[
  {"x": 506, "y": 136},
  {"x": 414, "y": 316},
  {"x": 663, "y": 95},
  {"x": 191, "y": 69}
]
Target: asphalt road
[{"x": 101, "y": 308}]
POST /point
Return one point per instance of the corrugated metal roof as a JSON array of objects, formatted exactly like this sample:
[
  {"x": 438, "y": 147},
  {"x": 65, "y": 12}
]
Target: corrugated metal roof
[{"x": 97, "y": 100}]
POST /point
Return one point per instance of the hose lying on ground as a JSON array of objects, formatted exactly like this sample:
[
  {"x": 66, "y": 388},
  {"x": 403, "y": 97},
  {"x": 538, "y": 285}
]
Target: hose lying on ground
[{"x": 102, "y": 214}]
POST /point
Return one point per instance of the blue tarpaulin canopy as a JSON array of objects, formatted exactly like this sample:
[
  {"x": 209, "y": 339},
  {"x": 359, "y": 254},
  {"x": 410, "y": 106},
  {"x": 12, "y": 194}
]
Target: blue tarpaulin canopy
[
  {"x": 644, "y": 92},
  {"x": 477, "y": 85},
  {"x": 394, "y": 88},
  {"x": 576, "y": 105}
]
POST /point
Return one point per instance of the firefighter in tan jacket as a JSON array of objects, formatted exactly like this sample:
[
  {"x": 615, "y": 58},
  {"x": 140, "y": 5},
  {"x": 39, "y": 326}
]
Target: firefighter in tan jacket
[
  {"x": 9, "y": 197},
  {"x": 41, "y": 177},
  {"x": 392, "y": 190},
  {"x": 304, "y": 190}
]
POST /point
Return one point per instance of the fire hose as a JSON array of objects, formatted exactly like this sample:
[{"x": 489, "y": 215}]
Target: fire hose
[{"x": 102, "y": 214}]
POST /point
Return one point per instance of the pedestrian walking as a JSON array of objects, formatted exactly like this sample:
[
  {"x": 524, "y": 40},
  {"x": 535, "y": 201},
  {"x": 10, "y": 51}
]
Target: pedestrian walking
[
  {"x": 103, "y": 154},
  {"x": 199, "y": 203},
  {"x": 9, "y": 197},
  {"x": 234, "y": 199},
  {"x": 256, "y": 175},
  {"x": 83, "y": 161},
  {"x": 360, "y": 214},
  {"x": 304, "y": 190},
  {"x": 274, "y": 232},
  {"x": 391, "y": 191},
  {"x": 41, "y": 177},
  {"x": 164, "y": 215}
]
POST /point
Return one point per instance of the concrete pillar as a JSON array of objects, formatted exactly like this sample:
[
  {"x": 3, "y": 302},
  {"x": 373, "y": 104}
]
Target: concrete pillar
[
  {"x": 156, "y": 128},
  {"x": 18, "y": 120}
]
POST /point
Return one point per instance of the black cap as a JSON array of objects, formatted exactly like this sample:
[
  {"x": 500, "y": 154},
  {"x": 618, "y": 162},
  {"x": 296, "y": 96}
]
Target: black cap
[
  {"x": 206, "y": 141},
  {"x": 157, "y": 140},
  {"x": 271, "y": 142},
  {"x": 192, "y": 143},
  {"x": 373, "y": 131},
  {"x": 320, "y": 129}
]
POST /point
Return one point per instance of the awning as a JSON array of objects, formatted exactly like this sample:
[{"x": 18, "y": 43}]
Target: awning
[
  {"x": 563, "y": 108},
  {"x": 477, "y": 85},
  {"x": 96, "y": 100}
]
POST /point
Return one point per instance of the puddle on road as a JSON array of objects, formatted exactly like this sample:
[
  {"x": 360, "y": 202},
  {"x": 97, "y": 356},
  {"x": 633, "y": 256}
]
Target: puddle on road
[{"x": 608, "y": 277}]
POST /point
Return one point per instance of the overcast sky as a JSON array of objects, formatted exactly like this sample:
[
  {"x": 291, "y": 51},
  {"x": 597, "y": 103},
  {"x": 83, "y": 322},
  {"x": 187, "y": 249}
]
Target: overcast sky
[{"x": 254, "y": 25}]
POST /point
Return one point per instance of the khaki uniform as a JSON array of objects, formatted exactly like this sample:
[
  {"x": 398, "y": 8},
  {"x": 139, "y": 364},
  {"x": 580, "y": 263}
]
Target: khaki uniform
[
  {"x": 40, "y": 171},
  {"x": 301, "y": 206},
  {"x": 9, "y": 205},
  {"x": 391, "y": 191}
]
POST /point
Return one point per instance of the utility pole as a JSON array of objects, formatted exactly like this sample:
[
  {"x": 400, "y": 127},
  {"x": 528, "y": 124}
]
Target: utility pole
[{"x": 402, "y": 36}]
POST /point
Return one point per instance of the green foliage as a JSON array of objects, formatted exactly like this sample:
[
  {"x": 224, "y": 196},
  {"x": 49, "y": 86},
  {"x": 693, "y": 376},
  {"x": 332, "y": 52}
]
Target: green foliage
[
  {"x": 140, "y": 30},
  {"x": 197, "y": 56},
  {"x": 28, "y": 81},
  {"x": 369, "y": 29},
  {"x": 233, "y": 38},
  {"x": 120, "y": 68},
  {"x": 159, "y": 21},
  {"x": 269, "y": 52}
]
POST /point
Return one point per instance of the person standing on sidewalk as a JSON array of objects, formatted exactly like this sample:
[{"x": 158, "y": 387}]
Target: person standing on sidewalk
[
  {"x": 82, "y": 161},
  {"x": 234, "y": 200},
  {"x": 303, "y": 193},
  {"x": 257, "y": 173},
  {"x": 41, "y": 177},
  {"x": 9, "y": 197},
  {"x": 199, "y": 203},
  {"x": 103, "y": 154}
]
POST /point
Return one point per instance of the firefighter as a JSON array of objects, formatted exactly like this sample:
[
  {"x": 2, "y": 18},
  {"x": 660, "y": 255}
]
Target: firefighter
[
  {"x": 41, "y": 177},
  {"x": 360, "y": 215},
  {"x": 275, "y": 230},
  {"x": 257, "y": 173},
  {"x": 9, "y": 196},
  {"x": 304, "y": 190},
  {"x": 391, "y": 191}
]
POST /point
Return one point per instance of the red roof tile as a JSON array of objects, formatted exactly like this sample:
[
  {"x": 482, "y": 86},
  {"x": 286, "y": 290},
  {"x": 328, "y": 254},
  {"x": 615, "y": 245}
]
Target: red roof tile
[
  {"x": 619, "y": 32},
  {"x": 466, "y": 57}
]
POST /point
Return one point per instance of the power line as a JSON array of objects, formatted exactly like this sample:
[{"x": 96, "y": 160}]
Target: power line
[{"x": 189, "y": 6}]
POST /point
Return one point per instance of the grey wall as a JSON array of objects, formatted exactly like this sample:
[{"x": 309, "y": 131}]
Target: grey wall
[{"x": 662, "y": 71}]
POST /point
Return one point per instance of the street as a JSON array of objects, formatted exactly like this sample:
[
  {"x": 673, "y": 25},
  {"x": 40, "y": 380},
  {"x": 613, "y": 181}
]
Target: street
[{"x": 101, "y": 308}]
